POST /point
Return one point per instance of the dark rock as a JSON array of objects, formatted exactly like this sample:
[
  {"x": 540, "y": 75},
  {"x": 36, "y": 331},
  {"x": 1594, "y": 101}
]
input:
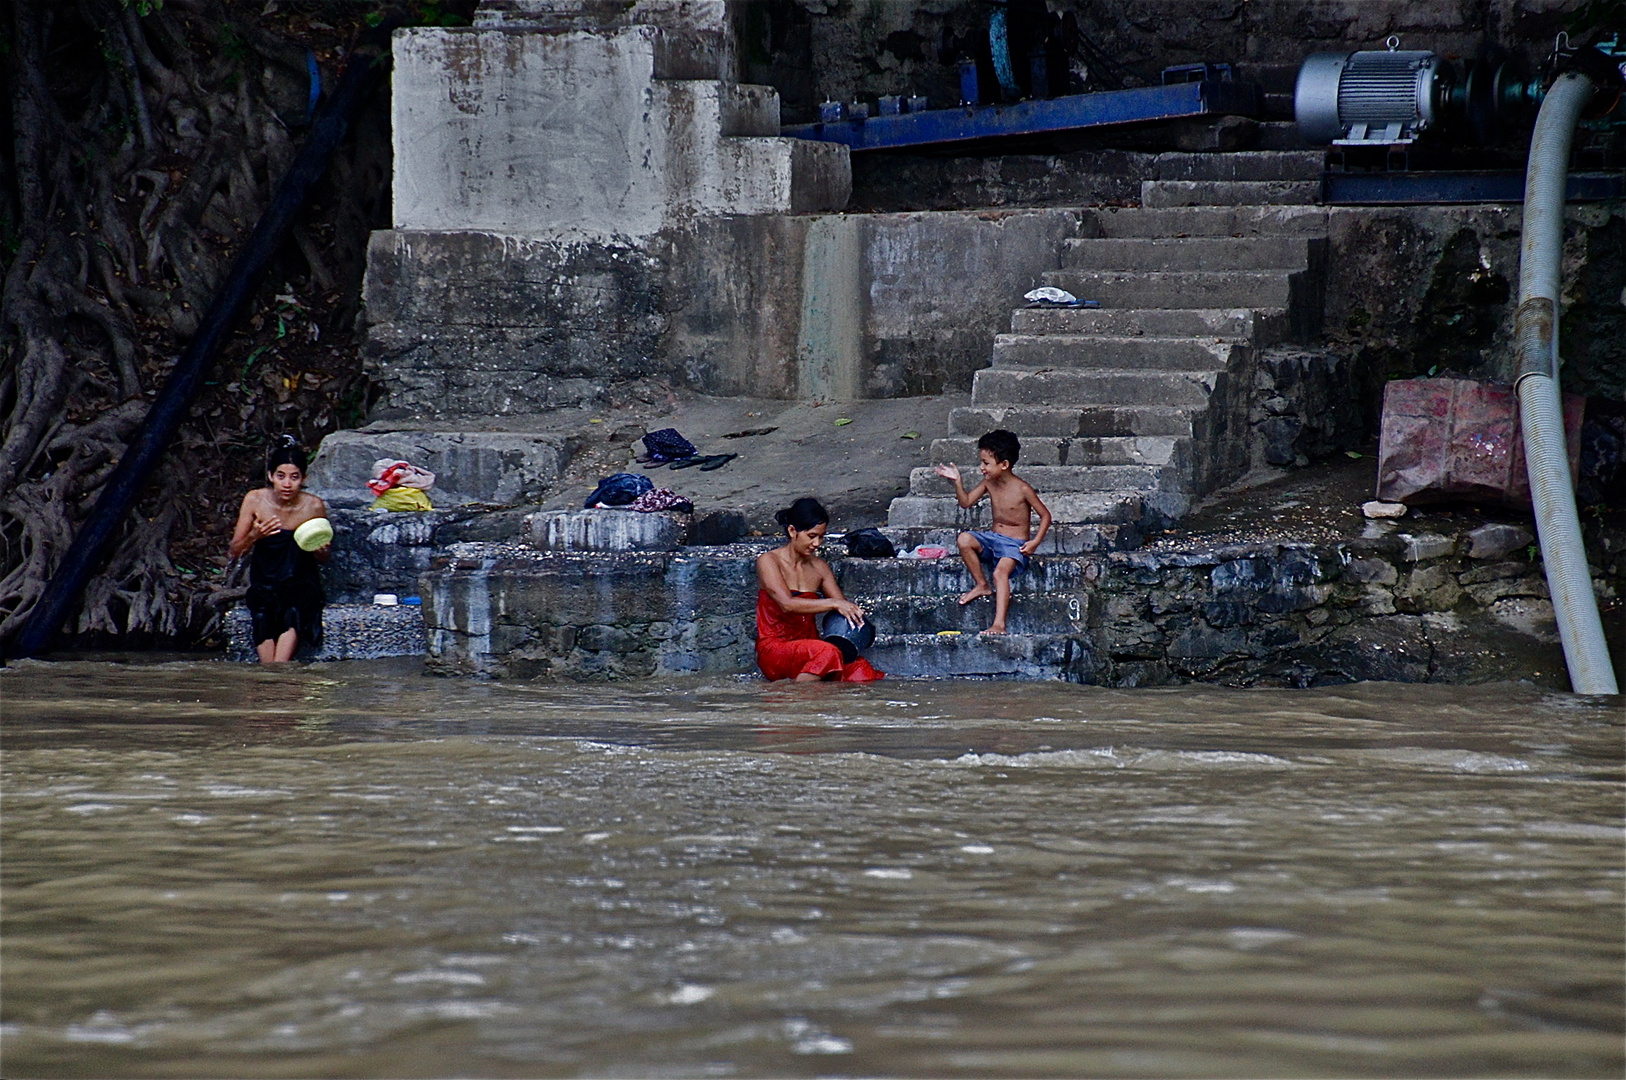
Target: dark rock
[
  {"x": 1394, "y": 648},
  {"x": 1223, "y": 614},
  {"x": 1494, "y": 540},
  {"x": 717, "y": 527}
]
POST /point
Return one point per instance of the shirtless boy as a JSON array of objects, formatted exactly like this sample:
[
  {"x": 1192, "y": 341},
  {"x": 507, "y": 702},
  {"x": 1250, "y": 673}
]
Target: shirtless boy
[{"x": 1007, "y": 547}]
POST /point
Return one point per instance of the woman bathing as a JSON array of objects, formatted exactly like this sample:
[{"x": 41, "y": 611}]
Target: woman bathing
[
  {"x": 796, "y": 586},
  {"x": 284, "y": 588}
]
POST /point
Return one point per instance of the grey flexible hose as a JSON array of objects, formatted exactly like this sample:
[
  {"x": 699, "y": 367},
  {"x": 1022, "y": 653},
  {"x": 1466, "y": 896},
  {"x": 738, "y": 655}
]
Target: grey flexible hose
[{"x": 1541, "y": 416}]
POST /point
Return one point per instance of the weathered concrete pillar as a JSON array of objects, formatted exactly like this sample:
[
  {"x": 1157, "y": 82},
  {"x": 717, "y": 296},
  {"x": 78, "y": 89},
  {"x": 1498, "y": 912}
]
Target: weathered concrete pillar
[
  {"x": 554, "y": 167},
  {"x": 603, "y": 136}
]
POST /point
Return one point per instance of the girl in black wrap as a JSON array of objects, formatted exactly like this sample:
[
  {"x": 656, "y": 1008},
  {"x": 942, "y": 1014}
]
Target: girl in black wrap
[{"x": 284, "y": 587}]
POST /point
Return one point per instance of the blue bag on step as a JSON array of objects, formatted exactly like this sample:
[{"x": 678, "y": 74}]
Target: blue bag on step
[{"x": 619, "y": 490}]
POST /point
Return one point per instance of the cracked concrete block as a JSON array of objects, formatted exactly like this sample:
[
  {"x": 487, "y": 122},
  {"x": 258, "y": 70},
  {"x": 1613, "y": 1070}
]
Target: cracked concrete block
[
  {"x": 578, "y": 135},
  {"x": 1426, "y": 546},
  {"x": 608, "y": 530},
  {"x": 1373, "y": 571},
  {"x": 1430, "y": 588},
  {"x": 1495, "y": 572},
  {"x": 492, "y": 468},
  {"x": 1376, "y": 600},
  {"x": 1495, "y": 540}
]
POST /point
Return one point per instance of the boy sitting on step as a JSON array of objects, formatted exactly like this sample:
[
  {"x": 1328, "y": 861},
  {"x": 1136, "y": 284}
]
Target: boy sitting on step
[{"x": 1007, "y": 546}]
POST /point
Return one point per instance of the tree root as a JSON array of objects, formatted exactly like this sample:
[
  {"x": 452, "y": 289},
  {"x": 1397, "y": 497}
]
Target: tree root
[{"x": 147, "y": 140}]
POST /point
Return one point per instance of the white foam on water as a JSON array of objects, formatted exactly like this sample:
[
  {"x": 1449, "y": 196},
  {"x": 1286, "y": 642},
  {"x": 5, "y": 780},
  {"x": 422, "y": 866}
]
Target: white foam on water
[
  {"x": 450, "y": 978},
  {"x": 689, "y": 994}
]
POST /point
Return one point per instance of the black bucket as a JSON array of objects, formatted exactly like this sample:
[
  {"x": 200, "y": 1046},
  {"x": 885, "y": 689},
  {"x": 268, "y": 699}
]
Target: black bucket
[{"x": 850, "y": 639}]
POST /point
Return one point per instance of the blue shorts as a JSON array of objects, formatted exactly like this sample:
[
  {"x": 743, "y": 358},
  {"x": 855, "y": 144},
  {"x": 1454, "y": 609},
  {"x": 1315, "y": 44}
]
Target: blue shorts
[{"x": 997, "y": 546}]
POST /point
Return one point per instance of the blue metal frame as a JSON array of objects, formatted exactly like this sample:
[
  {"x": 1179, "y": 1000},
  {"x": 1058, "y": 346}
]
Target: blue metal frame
[
  {"x": 1036, "y": 117},
  {"x": 1507, "y": 186}
]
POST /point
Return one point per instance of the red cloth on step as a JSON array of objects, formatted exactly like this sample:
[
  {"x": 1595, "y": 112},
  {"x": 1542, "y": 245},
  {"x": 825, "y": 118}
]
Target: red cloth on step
[{"x": 788, "y": 645}]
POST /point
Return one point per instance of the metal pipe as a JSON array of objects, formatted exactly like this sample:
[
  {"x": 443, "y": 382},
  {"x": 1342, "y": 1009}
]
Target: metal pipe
[{"x": 1552, "y": 489}]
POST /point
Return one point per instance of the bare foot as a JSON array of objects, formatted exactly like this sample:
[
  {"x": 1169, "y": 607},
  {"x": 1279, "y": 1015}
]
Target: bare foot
[
  {"x": 997, "y": 628},
  {"x": 975, "y": 593}
]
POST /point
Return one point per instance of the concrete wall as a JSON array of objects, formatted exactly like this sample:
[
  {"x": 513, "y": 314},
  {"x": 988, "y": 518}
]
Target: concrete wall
[
  {"x": 576, "y": 136},
  {"x": 1408, "y": 606},
  {"x": 1420, "y": 287},
  {"x": 817, "y": 306},
  {"x": 884, "y": 305}
]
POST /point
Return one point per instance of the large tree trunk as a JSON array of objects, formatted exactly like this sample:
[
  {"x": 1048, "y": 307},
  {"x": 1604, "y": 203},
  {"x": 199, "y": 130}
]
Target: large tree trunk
[{"x": 146, "y": 139}]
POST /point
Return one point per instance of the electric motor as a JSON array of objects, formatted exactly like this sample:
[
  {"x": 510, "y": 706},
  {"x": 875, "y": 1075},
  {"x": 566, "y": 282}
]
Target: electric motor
[{"x": 1370, "y": 97}]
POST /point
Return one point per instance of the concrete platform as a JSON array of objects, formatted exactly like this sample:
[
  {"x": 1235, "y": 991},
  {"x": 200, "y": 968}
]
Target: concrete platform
[
  {"x": 1176, "y": 288},
  {"x": 1182, "y": 193},
  {"x": 1278, "y": 583},
  {"x": 349, "y": 632},
  {"x": 1093, "y": 386},
  {"x": 1100, "y": 421},
  {"x": 493, "y": 468},
  {"x": 1255, "y": 220},
  {"x": 1105, "y": 351},
  {"x": 1190, "y": 253},
  {"x": 607, "y": 530}
]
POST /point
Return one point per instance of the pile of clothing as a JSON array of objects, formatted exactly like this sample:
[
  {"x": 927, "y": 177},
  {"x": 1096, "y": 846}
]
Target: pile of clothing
[
  {"x": 400, "y": 485},
  {"x": 636, "y": 492}
]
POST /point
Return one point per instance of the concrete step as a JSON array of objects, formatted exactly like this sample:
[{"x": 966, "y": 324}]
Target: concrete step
[
  {"x": 1139, "y": 353},
  {"x": 1264, "y": 326},
  {"x": 1054, "y": 478},
  {"x": 1284, "y": 134},
  {"x": 1247, "y": 165},
  {"x": 615, "y": 529},
  {"x": 1091, "y": 386},
  {"x": 926, "y": 511},
  {"x": 1100, "y": 421},
  {"x": 349, "y": 632},
  {"x": 1008, "y": 656},
  {"x": 1176, "y": 289},
  {"x": 1064, "y": 537},
  {"x": 1208, "y": 221},
  {"x": 1049, "y": 574},
  {"x": 1190, "y": 253},
  {"x": 1030, "y": 613},
  {"x": 1158, "y": 193},
  {"x": 1113, "y": 450}
]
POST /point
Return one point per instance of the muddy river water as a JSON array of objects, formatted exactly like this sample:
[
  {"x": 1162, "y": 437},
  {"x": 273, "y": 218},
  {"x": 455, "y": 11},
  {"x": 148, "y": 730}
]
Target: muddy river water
[{"x": 356, "y": 870}]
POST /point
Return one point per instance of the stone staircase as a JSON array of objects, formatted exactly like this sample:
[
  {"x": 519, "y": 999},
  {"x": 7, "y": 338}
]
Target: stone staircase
[
  {"x": 1130, "y": 411},
  {"x": 924, "y": 632}
]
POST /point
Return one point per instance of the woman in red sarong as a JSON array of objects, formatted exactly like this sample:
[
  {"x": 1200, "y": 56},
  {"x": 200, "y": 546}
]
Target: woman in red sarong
[{"x": 796, "y": 586}]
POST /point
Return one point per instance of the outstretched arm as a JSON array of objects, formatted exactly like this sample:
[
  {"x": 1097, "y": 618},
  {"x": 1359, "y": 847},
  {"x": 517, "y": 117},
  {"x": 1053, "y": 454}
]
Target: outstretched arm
[
  {"x": 966, "y": 499},
  {"x": 1037, "y": 505}
]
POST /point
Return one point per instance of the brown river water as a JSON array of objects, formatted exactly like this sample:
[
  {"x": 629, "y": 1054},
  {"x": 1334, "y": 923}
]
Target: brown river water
[{"x": 357, "y": 870}]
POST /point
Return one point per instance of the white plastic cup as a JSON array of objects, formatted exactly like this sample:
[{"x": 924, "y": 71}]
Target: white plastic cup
[{"x": 386, "y": 599}]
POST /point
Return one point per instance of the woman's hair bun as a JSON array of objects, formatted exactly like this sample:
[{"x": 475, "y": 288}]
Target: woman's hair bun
[
  {"x": 286, "y": 451},
  {"x": 802, "y": 515}
]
